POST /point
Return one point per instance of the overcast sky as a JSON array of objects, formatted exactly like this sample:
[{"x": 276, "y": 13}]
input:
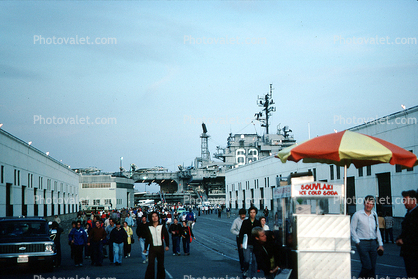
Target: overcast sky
[{"x": 164, "y": 66}]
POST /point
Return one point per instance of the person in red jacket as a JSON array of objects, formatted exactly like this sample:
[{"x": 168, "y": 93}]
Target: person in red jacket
[{"x": 187, "y": 235}]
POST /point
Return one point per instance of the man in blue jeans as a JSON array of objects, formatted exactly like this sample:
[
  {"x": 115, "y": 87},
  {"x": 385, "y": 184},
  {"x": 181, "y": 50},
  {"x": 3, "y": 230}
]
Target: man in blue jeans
[
  {"x": 175, "y": 230},
  {"x": 118, "y": 237},
  {"x": 366, "y": 235}
]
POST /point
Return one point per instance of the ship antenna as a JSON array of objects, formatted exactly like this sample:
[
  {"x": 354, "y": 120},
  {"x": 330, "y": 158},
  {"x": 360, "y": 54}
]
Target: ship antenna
[{"x": 266, "y": 103}]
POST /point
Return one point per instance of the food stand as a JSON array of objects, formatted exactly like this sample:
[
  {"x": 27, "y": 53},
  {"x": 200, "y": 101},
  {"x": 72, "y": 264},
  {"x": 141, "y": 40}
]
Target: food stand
[{"x": 314, "y": 229}]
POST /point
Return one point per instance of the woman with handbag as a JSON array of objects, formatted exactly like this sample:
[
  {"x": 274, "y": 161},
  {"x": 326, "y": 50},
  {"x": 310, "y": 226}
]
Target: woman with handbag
[
  {"x": 129, "y": 240},
  {"x": 187, "y": 235}
]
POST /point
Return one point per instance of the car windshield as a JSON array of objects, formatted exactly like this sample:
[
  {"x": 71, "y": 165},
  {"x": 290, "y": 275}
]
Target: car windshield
[{"x": 22, "y": 229}]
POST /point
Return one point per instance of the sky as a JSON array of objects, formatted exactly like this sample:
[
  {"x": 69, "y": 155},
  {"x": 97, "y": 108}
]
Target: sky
[{"x": 91, "y": 81}]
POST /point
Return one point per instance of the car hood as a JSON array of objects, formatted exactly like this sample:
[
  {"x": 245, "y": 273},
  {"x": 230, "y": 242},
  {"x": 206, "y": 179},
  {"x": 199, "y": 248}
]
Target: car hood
[{"x": 16, "y": 239}]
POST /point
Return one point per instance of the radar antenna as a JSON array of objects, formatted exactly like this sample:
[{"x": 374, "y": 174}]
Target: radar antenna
[{"x": 266, "y": 103}]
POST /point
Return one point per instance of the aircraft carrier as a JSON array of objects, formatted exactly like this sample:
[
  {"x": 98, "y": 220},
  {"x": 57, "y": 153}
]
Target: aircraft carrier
[{"x": 205, "y": 179}]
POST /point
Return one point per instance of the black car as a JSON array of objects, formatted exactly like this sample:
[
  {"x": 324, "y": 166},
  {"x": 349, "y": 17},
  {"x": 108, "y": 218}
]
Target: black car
[{"x": 26, "y": 241}]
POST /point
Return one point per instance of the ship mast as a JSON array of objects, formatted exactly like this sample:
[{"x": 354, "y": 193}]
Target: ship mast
[
  {"x": 266, "y": 102},
  {"x": 205, "y": 154}
]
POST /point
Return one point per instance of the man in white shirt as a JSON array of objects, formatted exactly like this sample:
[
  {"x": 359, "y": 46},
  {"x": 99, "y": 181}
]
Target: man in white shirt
[
  {"x": 235, "y": 228},
  {"x": 366, "y": 234}
]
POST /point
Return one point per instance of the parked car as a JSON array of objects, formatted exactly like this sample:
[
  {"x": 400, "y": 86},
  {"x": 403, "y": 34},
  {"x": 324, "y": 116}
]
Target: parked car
[
  {"x": 26, "y": 241},
  {"x": 180, "y": 210}
]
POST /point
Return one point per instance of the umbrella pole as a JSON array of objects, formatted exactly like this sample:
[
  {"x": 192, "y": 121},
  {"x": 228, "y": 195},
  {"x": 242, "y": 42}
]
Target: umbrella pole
[{"x": 345, "y": 190}]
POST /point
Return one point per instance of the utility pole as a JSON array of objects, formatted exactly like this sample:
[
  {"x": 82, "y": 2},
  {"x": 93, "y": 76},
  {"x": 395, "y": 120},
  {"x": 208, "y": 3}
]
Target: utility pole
[{"x": 266, "y": 102}]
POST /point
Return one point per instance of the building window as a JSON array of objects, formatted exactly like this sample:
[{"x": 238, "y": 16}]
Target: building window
[
  {"x": 107, "y": 201},
  {"x": 96, "y": 202},
  {"x": 2, "y": 175},
  {"x": 369, "y": 170},
  {"x": 15, "y": 178},
  {"x": 85, "y": 202},
  {"x": 18, "y": 178},
  {"x": 331, "y": 172},
  {"x": 410, "y": 169},
  {"x": 95, "y": 185},
  {"x": 398, "y": 168},
  {"x": 360, "y": 172},
  {"x": 338, "y": 172}
]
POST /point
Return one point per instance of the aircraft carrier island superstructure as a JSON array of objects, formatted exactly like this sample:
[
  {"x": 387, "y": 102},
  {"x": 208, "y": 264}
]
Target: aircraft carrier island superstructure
[{"x": 205, "y": 180}]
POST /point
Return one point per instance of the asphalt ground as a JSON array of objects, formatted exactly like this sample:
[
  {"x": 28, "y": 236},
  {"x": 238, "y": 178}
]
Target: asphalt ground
[{"x": 213, "y": 255}]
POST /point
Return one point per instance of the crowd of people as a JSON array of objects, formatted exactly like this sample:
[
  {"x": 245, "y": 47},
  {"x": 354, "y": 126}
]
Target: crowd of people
[{"x": 97, "y": 235}]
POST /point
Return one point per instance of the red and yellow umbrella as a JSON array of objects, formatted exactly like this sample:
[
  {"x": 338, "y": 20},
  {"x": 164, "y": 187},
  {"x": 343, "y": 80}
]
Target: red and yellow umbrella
[{"x": 346, "y": 148}]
